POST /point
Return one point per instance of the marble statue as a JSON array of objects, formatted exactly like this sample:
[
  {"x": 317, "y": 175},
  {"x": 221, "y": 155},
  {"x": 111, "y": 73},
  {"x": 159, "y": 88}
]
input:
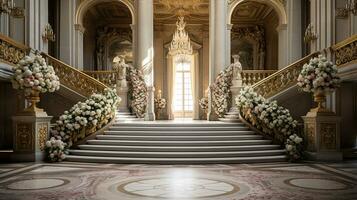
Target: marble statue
[
  {"x": 237, "y": 68},
  {"x": 120, "y": 67},
  {"x": 100, "y": 58}
]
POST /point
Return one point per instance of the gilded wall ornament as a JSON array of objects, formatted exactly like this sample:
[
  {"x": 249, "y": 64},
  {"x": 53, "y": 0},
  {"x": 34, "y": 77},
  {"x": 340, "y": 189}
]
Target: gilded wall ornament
[
  {"x": 309, "y": 34},
  {"x": 42, "y": 135},
  {"x": 24, "y": 137},
  {"x": 328, "y": 136}
]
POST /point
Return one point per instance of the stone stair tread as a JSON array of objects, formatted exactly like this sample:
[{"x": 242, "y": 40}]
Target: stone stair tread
[
  {"x": 176, "y": 124},
  {"x": 177, "y": 137},
  {"x": 256, "y": 159},
  {"x": 176, "y": 154},
  {"x": 222, "y": 132},
  {"x": 179, "y": 142},
  {"x": 179, "y": 148}
]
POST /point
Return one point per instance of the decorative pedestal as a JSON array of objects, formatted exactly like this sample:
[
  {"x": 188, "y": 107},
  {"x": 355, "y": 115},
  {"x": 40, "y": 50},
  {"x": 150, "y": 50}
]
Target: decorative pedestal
[
  {"x": 322, "y": 135},
  {"x": 31, "y": 134},
  {"x": 122, "y": 92}
]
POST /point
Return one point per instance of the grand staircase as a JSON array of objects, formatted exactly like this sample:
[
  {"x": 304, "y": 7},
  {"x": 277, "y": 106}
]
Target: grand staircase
[{"x": 177, "y": 142}]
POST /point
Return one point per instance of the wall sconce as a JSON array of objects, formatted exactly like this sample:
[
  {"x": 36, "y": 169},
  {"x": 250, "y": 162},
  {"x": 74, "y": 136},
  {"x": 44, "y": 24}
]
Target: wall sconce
[
  {"x": 8, "y": 6},
  {"x": 309, "y": 34},
  {"x": 351, "y": 6},
  {"x": 48, "y": 34}
]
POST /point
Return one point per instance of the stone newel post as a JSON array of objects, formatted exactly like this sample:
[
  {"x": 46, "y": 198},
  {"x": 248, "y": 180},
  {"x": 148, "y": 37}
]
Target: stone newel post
[{"x": 31, "y": 131}]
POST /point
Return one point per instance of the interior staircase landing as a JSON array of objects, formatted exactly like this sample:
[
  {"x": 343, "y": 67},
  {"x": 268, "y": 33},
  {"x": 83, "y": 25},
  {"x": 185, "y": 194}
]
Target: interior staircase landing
[{"x": 132, "y": 140}]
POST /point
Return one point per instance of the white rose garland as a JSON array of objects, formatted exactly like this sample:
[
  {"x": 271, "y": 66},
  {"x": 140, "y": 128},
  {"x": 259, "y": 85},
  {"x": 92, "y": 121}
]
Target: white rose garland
[
  {"x": 221, "y": 92},
  {"x": 272, "y": 119},
  {"x": 138, "y": 91}
]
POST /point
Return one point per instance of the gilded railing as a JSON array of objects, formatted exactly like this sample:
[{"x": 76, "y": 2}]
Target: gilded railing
[
  {"x": 11, "y": 51},
  {"x": 75, "y": 79},
  {"x": 107, "y": 77},
  {"x": 282, "y": 79},
  {"x": 250, "y": 77},
  {"x": 345, "y": 51}
]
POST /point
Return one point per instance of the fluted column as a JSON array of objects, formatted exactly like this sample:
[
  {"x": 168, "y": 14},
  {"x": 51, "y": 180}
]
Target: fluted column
[
  {"x": 145, "y": 51},
  {"x": 217, "y": 45}
]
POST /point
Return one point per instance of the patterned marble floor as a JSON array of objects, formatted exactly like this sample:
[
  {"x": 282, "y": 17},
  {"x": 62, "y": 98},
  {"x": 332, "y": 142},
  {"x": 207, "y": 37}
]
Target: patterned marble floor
[{"x": 77, "y": 181}]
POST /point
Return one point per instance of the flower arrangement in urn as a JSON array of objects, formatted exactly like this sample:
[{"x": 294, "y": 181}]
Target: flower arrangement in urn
[
  {"x": 320, "y": 77},
  {"x": 160, "y": 103},
  {"x": 272, "y": 119},
  {"x": 34, "y": 76}
]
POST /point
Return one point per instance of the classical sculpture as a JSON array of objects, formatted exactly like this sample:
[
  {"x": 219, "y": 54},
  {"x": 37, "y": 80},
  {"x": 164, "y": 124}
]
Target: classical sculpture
[
  {"x": 237, "y": 68},
  {"x": 120, "y": 67},
  {"x": 100, "y": 58}
]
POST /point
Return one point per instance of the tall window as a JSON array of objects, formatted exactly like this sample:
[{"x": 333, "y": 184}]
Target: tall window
[{"x": 183, "y": 102}]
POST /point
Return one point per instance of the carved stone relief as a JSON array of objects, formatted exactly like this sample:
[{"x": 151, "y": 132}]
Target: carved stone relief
[
  {"x": 42, "y": 135},
  {"x": 328, "y": 136},
  {"x": 24, "y": 137},
  {"x": 310, "y": 134}
]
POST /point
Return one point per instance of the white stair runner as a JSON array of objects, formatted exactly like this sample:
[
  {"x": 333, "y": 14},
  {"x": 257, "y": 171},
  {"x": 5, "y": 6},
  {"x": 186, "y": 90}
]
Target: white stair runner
[{"x": 131, "y": 140}]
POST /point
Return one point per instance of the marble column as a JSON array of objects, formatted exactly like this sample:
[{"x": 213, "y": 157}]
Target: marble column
[
  {"x": 217, "y": 45},
  {"x": 4, "y": 24},
  {"x": 67, "y": 36},
  {"x": 323, "y": 20},
  {"x": 283, "y": 54},
  {"x": 78, "y": 51},
  {"x": 37, "y": 18},
  {"x": 294, "y": 30},
  {"x": 145, "y": 50}
]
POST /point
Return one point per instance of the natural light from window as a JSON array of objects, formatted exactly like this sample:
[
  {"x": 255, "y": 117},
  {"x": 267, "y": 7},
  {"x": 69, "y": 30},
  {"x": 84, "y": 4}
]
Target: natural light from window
[{"x": 183, "y": 103}]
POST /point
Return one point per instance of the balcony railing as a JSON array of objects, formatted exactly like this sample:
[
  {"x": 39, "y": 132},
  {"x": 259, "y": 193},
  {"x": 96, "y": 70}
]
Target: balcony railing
[{"x": 345, "y": 52}]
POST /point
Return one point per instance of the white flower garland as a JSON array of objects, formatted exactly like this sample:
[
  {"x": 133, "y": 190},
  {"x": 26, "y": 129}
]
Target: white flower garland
[
  {"x": 138, "y": 91},
  {"x": 56, "y": 150},
  {"x": 319, "y": 75},
  {"x": 92, "y": 114},
  {"x": 33, "y": 74},
  {"x": 221, "y": 91},
  {"x": 160, "y": 103},
  {"x": 271, "y": 119},
  {"x": 203, "y": 103}
]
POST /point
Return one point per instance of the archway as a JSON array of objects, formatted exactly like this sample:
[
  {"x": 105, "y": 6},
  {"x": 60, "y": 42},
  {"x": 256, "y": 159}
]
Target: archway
[
  {"x": 108, "y": 32},
  {"x": 264, "y": 24}
]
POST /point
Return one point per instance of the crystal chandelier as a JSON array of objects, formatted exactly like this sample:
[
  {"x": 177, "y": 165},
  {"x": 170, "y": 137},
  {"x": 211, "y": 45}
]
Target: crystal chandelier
[
  {"x": 8, "y": 6},
  {"x": 180, "y": 46}
]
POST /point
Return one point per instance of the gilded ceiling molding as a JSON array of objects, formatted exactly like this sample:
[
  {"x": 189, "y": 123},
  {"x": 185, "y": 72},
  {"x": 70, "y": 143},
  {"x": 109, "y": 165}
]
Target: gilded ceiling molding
[
  {"x": 85, "y": 5},
  {"x": 278, "y": 5}
]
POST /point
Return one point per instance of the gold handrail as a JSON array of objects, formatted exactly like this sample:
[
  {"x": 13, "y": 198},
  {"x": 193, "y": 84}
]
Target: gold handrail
[
  {"x": 107, "y": 77},
  {"x": 282, "y": 79},
  {"x": 250, "y": 77},
  {"x": 345, "y": 51},
  {"x": 74, "y": 79},
  {"x": 11, "y": 51}
]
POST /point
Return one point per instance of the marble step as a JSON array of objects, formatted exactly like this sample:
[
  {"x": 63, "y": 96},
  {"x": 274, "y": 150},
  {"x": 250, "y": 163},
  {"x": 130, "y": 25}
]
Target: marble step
[
  {"x": 167, "y": 123},
  {"x": 178, "y": 148},
  {"x": 169, "y": 129},
  {"x": 154, "y": 154},
  {"x": 179, "y": 138},
  {"x": 231, "y": 117},
  {"x": 179, "y": 133},
  {"x": 151, "y": 160},
  {"x": 229, "y": 120},
  {"x": 179, "y": 143}
]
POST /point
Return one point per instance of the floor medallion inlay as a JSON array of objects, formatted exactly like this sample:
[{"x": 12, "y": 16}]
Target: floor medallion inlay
[{"x": 36, "y": 184}]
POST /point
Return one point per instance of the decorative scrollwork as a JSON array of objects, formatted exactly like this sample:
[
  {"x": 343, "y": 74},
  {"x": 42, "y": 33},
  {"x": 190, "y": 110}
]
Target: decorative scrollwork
[
  {"x": 11, "y": 51},
  {"x": 74, "y": 79},
  {"x": 251, "y": 77},
  {"x": 107, "y": 77},
  {"x": 346, "y": 51}
]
